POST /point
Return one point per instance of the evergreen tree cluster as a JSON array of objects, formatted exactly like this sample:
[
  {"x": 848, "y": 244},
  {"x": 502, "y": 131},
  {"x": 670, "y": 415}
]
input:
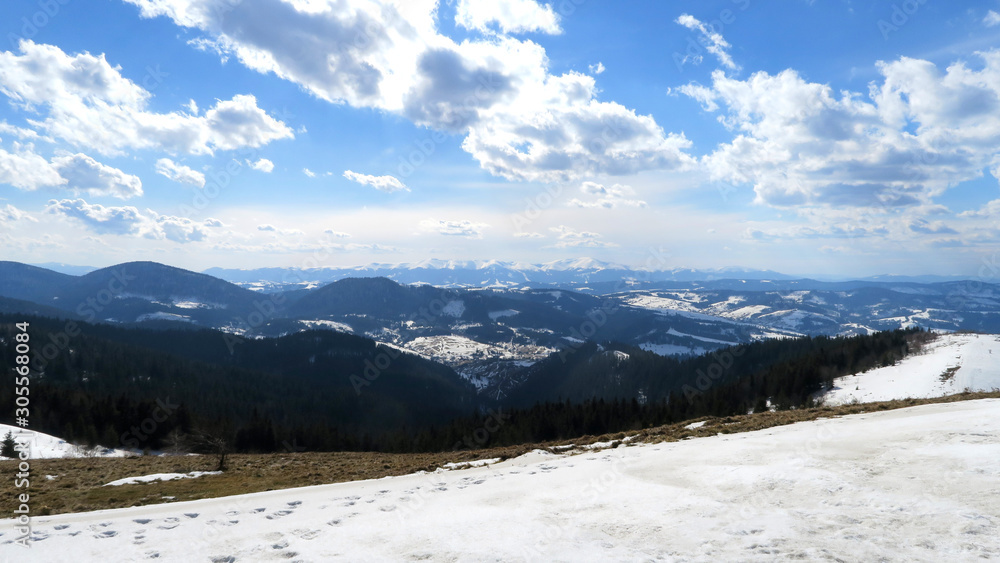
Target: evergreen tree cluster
[{"x": 146, "y": 389}]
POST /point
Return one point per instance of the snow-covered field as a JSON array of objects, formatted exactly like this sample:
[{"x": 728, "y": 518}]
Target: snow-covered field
[
  {"x": 453, "y": 349},
  {"x": 916, "y": 484},
  {"x": 930, "y": 374},
  {"x": 45, "y": 446}
]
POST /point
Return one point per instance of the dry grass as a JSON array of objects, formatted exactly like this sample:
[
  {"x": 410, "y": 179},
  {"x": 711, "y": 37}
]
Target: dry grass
[{"x": 78, "y": 483}]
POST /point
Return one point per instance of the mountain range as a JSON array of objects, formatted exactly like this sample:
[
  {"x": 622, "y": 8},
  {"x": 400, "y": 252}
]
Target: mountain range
[{"x": 488, "y": 331}]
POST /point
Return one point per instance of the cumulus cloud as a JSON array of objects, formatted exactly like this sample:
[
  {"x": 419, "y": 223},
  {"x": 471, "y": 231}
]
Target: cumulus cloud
[
  {"x": 597, "y": 68},
  {"x": 528, "y": 235},
  {"x": 85, "y": 175},
  {"x": 78, "y": 173},
  {"x": 336, "y": 234},
  {"x": 992, "y": 19},
  {"x": 386, "y": 184},
  {"x": 607, "y": 198},
  {"x": 712, "y": 41},
  {"x": 88, "y": 103},
  {"x": 263, "y": 165},
  {"x": 177, "y": 229},
  {"x": 213, "y": 223},
  {"x": 570, "y": 238},
  {"x": 127, "y": 220},
  {"x": 308, "y": 173},
  {"x": 920, "y": 131},
  {"x": 102, "y": 220},
  {"x": 11, "y": 214},
  {"x": 179, "y": 173},
  {"x": 467, "y": 229},
  {"x": 27, "y": 170},
  {"x": 520, "y": 121},
  {"x": 510, "y": 16},
  {"x": 267, "y": 228}
]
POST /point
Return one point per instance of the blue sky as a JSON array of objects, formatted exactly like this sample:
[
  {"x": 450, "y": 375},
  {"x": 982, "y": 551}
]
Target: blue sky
[{"x": 832, "y": 138}]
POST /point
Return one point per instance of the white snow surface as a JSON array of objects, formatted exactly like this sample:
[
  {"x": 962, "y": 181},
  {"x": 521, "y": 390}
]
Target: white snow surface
[
  {"x": 332, "y": 325},
  {"x": 159, "y": 477},
  {"x": 45, "y": 446},
  {"x": 915, "y": 484},
  {"x": 977, "y": 357}
]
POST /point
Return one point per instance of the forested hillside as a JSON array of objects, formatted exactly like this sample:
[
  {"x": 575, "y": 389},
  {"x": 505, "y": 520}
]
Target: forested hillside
[{"x": 324, "y": 390}]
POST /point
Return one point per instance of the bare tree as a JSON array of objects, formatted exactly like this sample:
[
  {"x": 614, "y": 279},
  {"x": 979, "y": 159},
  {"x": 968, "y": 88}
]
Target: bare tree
[{"x": 214, "y": 444}]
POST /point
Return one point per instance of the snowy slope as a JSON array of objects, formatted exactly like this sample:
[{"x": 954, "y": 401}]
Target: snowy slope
[
  {"x": 976, "y": 357},
  {"x": 45, "y": 446},
  {"x": 917, "y": 484}
]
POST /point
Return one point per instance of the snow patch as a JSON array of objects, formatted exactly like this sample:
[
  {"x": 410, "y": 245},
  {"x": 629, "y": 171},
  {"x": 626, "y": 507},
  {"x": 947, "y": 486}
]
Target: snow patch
[{"x": 160, "y": 477}]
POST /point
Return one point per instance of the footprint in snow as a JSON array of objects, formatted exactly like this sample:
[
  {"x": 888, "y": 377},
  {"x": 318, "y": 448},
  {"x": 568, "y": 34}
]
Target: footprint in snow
[
  {"x": 278, "y": 514},
  {"x": 280, "y": 545},
  {"x": 191, "y": 515},
  {"x": 224, "y": 559},
  {"x": 152, "y": 555},
  {"x": 106, "y": 534},
  {"x": 261, "y": 509},
  {"x": 295, "y": 503},
  {"x": 62, "y": 526},
  {"x": 307, "y": 534},
  {"x": 142, "y": 521}
]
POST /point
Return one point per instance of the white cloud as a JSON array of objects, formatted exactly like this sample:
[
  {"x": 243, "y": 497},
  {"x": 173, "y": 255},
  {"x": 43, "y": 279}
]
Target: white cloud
[
  {"x": 336, "y": 234},
  {"x": 79, "y": 173},
  {"x": 11, "y": 214},
  {"x": 88, "y": 103},
  {"x": 213, "y": 223},
  {"x": 529, "y": 235},
  {"x": 712, "y": 41},
  {"x": 85, "y": 175},
  {"x": 607, "y": 198},
  {"x": 597, "y": 68},
  {"x": 21, "y": 132},
  {"x": 308, "y": 173},
  {"x": 921, "y": 131},
  {"x": 263, "y": 165},
  {"x": 988, "y": 211},
  {"x": 992, "y": 19},
  {"x": 520, "y": 121},
  {"x": 386, "y": 184},
  {"x": 268, "y": 228},
  {"x": 468, "y": 229},
  {"x": 27, "y": 170},
  {"x": 128, "y": 220},
  {"x": 177, "y": 229},
  {"x": 102, "y": 220},
  {"x": 510, "y": 16},
  {"x": 179, "y": 173},
  {"x": 569, "y": 238}
]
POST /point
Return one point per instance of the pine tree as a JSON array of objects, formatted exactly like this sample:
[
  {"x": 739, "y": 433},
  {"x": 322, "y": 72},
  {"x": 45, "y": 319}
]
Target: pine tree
[{"x": 8, "y": 445}]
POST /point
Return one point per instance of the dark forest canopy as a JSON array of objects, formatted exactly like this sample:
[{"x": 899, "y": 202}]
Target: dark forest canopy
[{"x": 323, "y": 390}]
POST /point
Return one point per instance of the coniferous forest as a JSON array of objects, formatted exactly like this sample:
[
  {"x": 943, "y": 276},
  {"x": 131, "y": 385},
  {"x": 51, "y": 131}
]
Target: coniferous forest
[{"x": 322, "y": 390}]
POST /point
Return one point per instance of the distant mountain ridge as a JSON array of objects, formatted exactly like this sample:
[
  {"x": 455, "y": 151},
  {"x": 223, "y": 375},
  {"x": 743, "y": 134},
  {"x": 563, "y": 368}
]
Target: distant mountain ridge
[
  {"x": 489, "y": 334},
  {"x": 491, "y": 273}
]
